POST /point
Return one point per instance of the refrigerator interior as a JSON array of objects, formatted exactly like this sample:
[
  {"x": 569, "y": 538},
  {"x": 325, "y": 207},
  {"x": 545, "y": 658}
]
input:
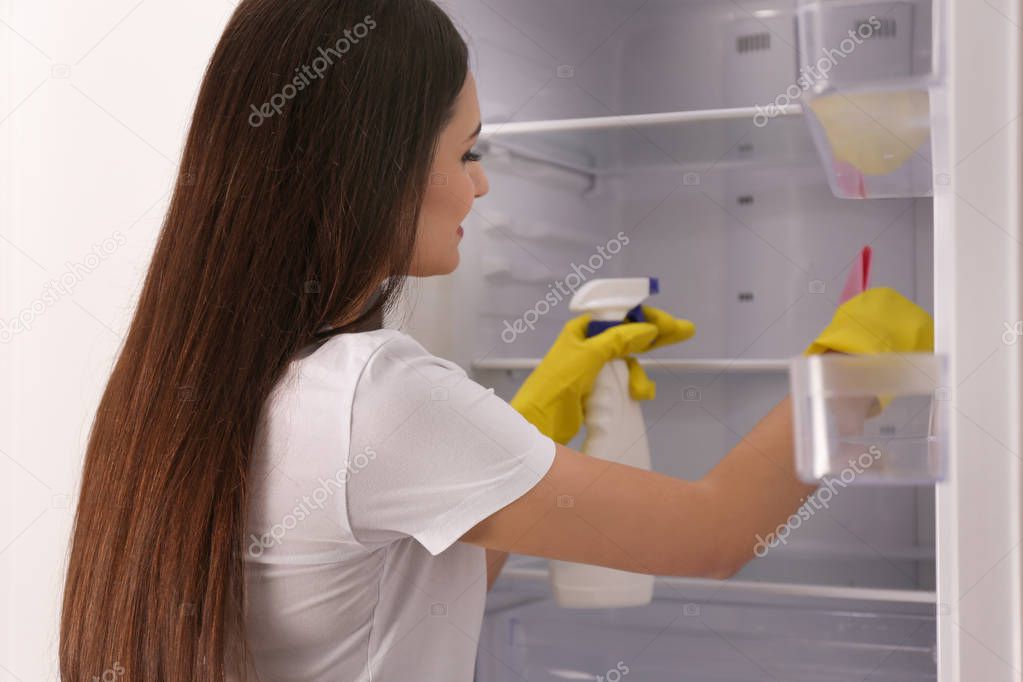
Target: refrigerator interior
[{"x": 739, "y": 224}]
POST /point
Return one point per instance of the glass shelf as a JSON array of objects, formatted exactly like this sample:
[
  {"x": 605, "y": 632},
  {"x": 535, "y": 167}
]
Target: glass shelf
[
  {"x": 521, "y": 568},
  {"x": 708, "y": 629},
  {"x": 758, "y": 366},
  {"x": 685, "y": 140}
]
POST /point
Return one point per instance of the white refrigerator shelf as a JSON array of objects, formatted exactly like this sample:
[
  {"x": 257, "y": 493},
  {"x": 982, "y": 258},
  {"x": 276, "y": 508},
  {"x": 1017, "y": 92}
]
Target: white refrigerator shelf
[
  {"x": 511, "y": 128},
  {"x": 711, "y": 630},
  {"x": 739, "y": 365},
  {"x": 749, "y": 590},
  {"x": 687, "y": 140}
]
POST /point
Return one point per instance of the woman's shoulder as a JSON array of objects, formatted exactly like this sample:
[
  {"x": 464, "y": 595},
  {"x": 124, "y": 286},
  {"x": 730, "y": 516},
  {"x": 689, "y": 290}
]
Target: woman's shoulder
[
  {"x": 324, "y": 377},
  {"x": 382, "y": 353},
  {"x": 365, "y": 344},
  {"x": 389, "y": 365}
]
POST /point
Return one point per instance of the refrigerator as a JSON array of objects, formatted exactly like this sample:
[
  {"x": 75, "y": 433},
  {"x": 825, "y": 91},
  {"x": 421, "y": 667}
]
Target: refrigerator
[
  {"x": 744, "y": 152},
  {"x": 601, "y": 116}
]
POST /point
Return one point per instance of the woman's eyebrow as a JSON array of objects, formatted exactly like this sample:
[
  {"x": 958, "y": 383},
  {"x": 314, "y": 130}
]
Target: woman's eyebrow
[{"x": 479, "y": 128}]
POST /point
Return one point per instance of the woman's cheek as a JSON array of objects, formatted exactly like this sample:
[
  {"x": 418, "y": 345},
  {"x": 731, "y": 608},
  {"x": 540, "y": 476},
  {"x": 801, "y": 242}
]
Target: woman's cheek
[{"x": 466, "y": 193}]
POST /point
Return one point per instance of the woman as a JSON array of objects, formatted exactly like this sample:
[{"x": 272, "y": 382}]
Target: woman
[{"x": 276, "y": 487}]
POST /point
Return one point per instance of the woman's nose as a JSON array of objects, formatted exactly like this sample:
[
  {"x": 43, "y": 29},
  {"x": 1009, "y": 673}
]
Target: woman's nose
[{"x": 479, "y": 178}]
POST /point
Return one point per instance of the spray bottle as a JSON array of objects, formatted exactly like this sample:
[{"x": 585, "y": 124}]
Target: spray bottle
[{"x": 616, "y": 431}]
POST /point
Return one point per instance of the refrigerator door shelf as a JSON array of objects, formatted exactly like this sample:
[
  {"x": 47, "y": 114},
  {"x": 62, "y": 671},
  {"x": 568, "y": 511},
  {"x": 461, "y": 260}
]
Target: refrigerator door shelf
[
  {"x": 866, "y": 73},
  {"x": 856, "y": 44},
  {"x": 871, "y": 419},
  {"x": 874, "y": 143}
]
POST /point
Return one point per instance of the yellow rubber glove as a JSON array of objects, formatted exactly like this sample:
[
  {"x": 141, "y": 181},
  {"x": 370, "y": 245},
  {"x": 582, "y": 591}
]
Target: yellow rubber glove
[
  {"x": 670, "y": 330},
  {"x": 553, "y": 395},
  {"x": 879, "y": 320}
]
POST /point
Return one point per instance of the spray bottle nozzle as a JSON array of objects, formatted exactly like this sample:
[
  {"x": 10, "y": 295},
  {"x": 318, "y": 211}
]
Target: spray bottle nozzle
[{"x": 613, "y": 301}]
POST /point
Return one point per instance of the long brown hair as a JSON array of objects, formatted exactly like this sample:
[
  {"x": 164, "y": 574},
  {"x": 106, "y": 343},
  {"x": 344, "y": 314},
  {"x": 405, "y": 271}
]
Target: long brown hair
[{"x": 295, "y": 208}]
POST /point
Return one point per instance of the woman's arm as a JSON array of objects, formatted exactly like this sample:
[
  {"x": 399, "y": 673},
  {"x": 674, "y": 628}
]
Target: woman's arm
[
  {"x": 495, "y": 562},
  {"x": 593, "y": 511}
]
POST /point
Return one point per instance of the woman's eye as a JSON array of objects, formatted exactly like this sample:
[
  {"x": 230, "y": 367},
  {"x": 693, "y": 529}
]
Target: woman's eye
[{"x": 471, "y": 156}]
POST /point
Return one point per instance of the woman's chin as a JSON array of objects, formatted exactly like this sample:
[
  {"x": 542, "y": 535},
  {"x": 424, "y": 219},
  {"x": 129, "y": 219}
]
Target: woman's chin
[
  {"x": 439, "y": 267},
  {"x": 452, "y": 264}
]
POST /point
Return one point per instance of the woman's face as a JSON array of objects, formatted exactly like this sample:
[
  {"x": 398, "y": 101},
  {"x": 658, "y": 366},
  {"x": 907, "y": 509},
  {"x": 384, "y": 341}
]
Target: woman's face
[{"x": 455, "y": 181}]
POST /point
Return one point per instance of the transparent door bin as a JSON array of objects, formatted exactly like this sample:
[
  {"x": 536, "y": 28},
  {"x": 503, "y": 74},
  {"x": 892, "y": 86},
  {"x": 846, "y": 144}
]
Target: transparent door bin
[
  {"x": 861, "y": 44},
  {"x": 867, "y": 69},
  {"x": 873, "y": 144},
  {"x": 871, "y": 419}
]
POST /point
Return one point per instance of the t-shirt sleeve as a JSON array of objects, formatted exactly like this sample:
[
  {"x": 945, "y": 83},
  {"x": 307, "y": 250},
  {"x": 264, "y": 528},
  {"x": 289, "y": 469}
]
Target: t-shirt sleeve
[{"x": 438, "y": 452}]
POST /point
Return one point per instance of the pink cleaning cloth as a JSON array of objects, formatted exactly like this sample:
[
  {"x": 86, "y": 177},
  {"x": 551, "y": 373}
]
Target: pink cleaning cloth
[
  {"x": 849, "y": 180},
  {"x": 859, "y": 276}
]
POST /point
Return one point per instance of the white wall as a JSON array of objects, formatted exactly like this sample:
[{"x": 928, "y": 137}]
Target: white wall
[{"x": 94, "y": 105}]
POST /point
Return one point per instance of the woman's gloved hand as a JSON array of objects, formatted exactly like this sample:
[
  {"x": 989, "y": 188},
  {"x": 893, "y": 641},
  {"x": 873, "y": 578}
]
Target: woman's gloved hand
[
  {"x": 553, "y": 395},
  {"x": 879, "y": 320},
  {"x": 670, "y": 330}
]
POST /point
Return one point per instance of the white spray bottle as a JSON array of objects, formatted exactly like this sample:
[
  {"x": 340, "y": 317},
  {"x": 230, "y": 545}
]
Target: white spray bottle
[{"x": 616, "y": 431}]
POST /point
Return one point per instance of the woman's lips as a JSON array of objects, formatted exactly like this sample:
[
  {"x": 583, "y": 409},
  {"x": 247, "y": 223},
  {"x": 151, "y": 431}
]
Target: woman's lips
[{"x": 460, "y": 231}]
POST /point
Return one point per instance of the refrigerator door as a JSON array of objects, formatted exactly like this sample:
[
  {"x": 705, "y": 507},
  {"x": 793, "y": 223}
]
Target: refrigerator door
[{"x": 979, "y": 279}]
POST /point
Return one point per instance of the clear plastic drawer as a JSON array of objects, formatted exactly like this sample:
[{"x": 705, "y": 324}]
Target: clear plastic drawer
[{"x": 871, "y": 419}]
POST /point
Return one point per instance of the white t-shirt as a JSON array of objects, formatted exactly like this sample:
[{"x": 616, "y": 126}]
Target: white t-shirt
[{"x": 372, "y": 458}]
